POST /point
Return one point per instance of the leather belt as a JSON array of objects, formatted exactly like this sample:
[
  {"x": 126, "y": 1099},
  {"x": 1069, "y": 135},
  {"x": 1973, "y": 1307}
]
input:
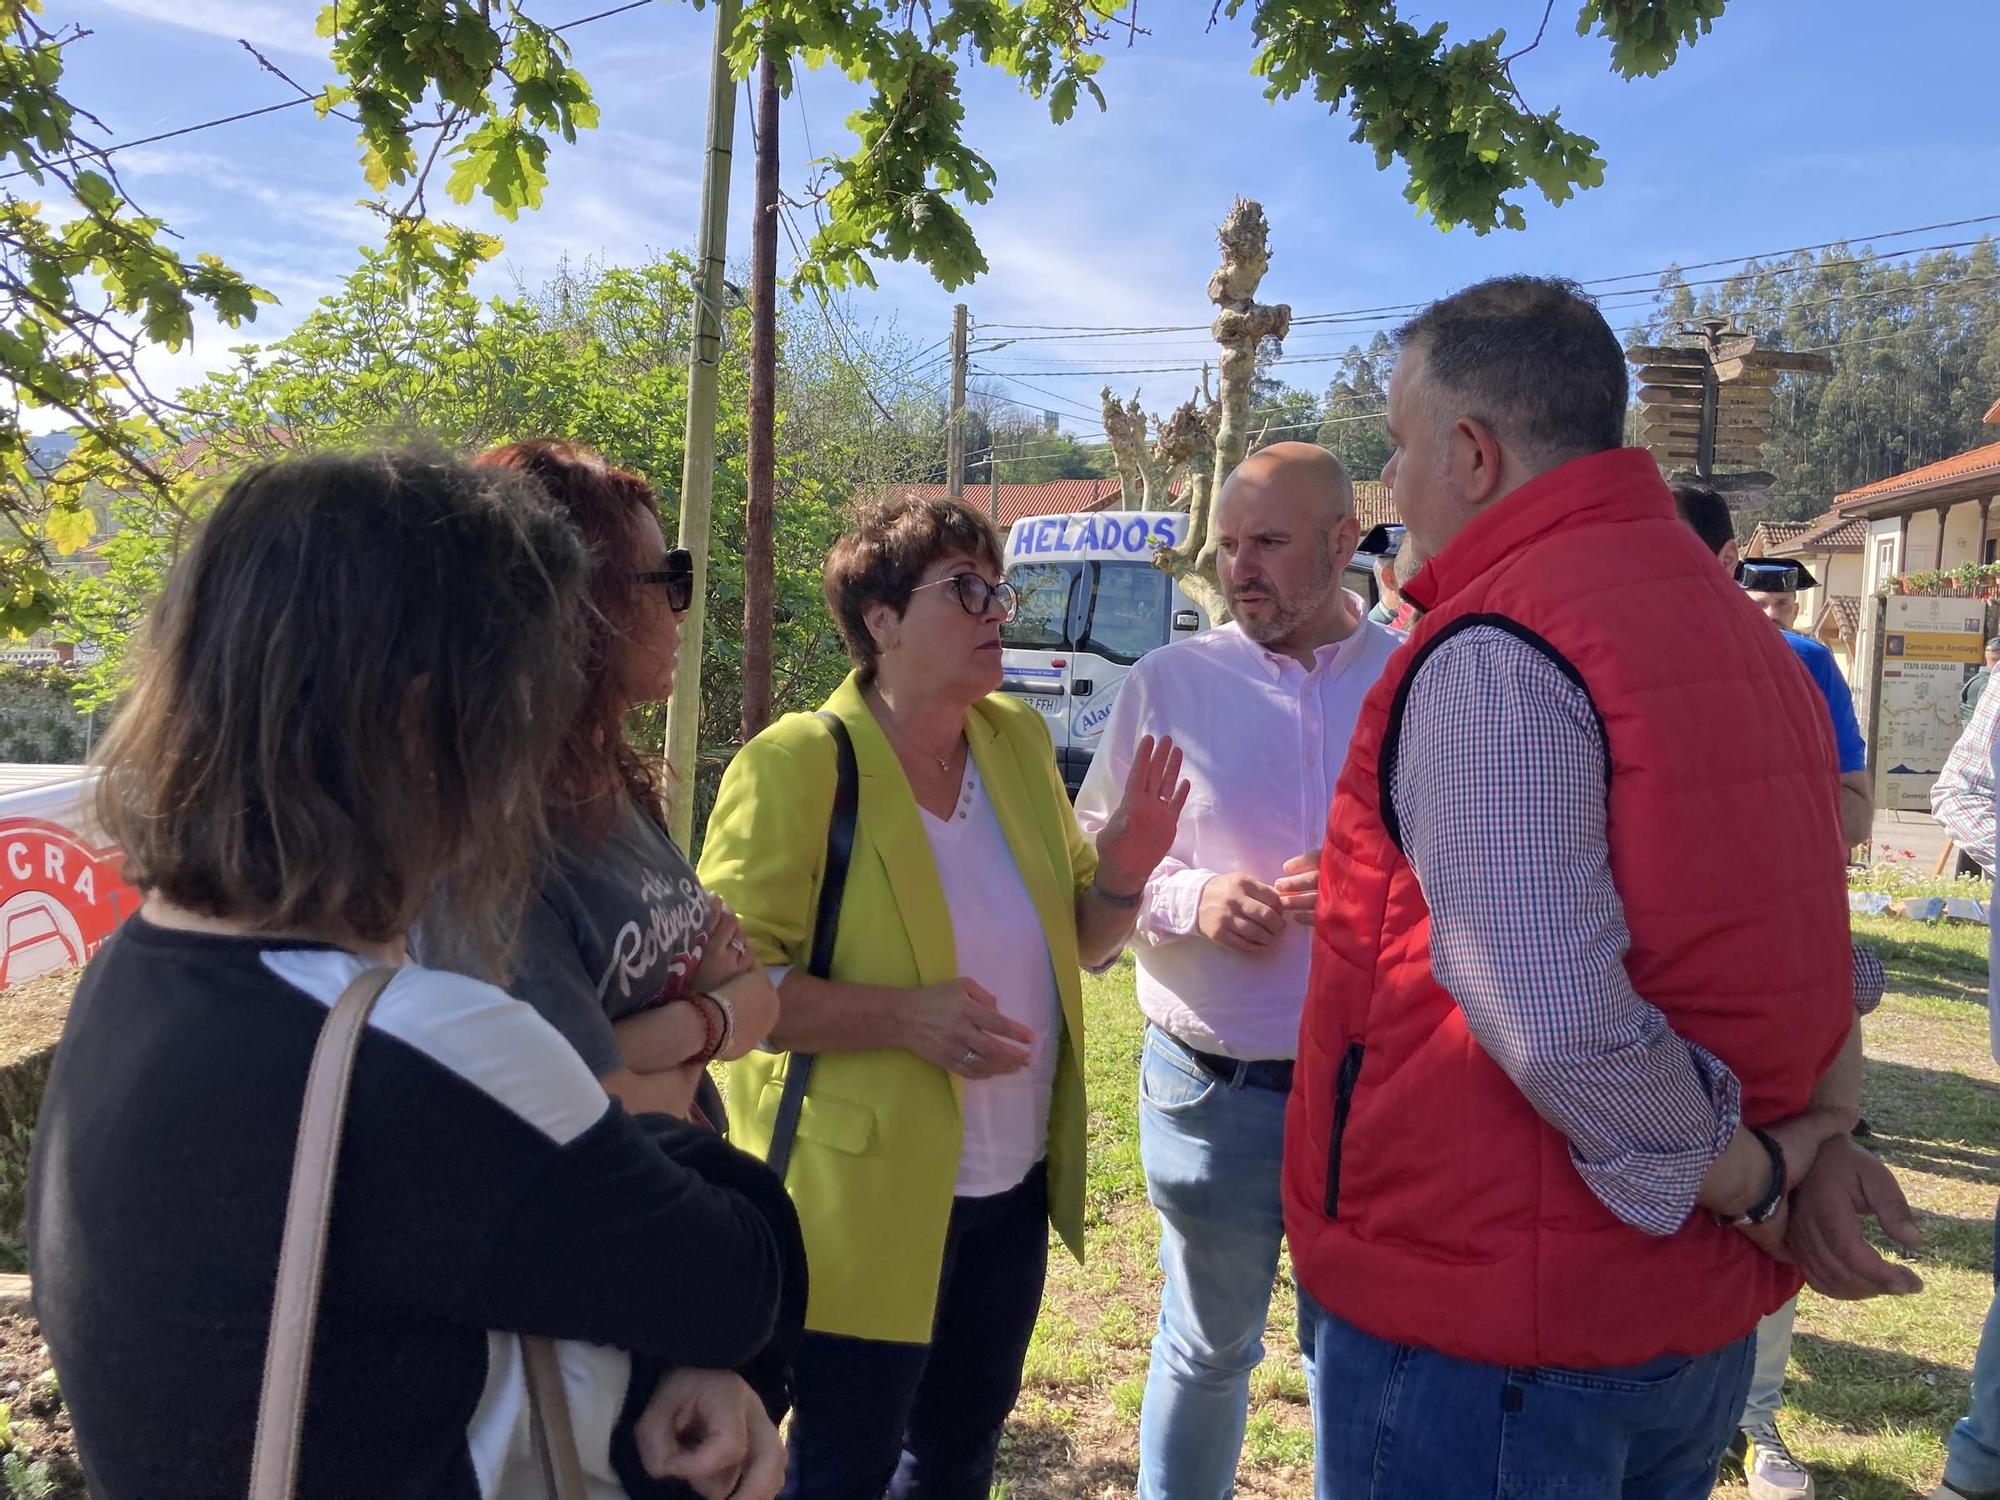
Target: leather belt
[{"x": 1267, "y": 1073}]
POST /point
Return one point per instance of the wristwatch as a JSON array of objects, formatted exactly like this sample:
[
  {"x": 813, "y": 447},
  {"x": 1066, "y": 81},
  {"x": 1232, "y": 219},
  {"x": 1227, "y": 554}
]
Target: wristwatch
[{"x": 1765, "y": 1208}]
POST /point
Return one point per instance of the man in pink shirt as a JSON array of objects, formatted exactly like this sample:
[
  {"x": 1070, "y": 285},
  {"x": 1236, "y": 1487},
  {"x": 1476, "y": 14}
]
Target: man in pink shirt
[{"x": 1262, "y": 707}]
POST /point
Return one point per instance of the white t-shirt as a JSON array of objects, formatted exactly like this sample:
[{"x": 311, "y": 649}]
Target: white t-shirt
[{"x": 1002, "y": 947}]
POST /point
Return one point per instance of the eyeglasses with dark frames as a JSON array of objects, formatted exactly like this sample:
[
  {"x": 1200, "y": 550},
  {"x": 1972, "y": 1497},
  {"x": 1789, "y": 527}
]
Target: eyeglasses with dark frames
[
  {"x": 975, "y": 594},
  {"x": 676, "y": 577}
]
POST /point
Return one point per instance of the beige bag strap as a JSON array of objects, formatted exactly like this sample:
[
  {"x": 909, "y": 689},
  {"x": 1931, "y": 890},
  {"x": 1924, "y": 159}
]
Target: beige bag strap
[
  {"x": 548, "y": 1416},
  {"x": 281, "y": 1406}
]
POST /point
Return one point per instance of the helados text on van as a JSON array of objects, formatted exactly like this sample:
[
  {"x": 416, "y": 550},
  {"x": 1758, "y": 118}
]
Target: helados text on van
[{"x": 1134, "y": 536}]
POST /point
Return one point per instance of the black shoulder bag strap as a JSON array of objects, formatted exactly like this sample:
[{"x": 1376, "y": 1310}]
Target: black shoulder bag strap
[{"x": 826, "y": 926}]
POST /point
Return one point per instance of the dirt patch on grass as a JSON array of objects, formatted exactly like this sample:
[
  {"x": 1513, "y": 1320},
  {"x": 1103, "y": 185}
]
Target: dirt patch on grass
[{"x": 41, "y": 1449}]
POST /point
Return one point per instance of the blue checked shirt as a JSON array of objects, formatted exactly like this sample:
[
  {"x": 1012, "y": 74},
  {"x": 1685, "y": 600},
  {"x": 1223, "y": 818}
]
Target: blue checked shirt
[{"x": 1499, "y": 787}]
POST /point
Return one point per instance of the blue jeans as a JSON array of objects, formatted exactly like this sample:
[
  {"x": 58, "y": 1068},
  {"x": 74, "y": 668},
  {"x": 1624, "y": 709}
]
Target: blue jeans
[
  {"x": 1393, "y": 1422},
  {"x": 1213, "y": 1153},
  {"x": 1972, "y": 1453},
  {"x": 1767, "y": 1379},
  {"x": 923, "y": 1421}
]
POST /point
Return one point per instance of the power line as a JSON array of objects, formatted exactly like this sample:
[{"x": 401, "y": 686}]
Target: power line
[
  {"x": 99, "y": 152},
  {"x": 1038, "y": 390},
  {"x": 1628, "y": 298},
  {"x": 1078, "y": 330},
  {"x": 1114, "y": 366}
]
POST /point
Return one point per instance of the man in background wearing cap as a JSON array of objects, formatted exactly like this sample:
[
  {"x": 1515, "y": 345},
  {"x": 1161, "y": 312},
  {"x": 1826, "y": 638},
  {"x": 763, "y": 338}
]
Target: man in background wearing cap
[
  {"x": 1773, "y": 585},
  {"x": 1975, "y": 685},
  {"x": 1262, "y": 707},
  {"x": 1770, "y": 1469},
  {"x": 1380, "y": 546},
  {"x": 1556, "y": 1096}
]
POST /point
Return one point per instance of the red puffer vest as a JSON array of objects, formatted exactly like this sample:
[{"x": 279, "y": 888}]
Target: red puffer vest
[{"x": 1425, "y": 1199}]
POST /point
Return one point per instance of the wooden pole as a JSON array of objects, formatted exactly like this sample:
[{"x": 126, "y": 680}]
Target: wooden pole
[
  {"x": 698, "y": 468},
  {"x": 1943, "y": 511},
  {"x": 954, "y": 462},
  {"x": 760, "y": 502}
]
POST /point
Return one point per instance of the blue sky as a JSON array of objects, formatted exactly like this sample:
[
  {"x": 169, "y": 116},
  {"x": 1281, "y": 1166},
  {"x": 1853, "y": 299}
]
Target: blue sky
[{"x": 1795, "y": 122}]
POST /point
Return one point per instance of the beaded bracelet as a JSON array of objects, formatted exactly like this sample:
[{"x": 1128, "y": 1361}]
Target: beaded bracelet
[{"x": 714, "y": 1024}]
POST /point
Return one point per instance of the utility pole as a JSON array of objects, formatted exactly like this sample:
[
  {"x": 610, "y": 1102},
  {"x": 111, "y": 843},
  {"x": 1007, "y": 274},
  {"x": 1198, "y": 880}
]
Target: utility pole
[
  {"x": 698, "y": 471},
  {"x": 992, "y": 485},
  {"x": 954, "y": 462},
  {"x": 760, "y": 504}
]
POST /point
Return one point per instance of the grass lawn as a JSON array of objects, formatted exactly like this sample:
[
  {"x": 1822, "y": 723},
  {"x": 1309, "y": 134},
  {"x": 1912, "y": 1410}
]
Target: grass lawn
[{"x": 1874, "y": 1385}]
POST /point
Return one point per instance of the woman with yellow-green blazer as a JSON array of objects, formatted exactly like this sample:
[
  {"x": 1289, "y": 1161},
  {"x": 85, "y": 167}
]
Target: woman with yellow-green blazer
[{"x": 942, "y": 1130}]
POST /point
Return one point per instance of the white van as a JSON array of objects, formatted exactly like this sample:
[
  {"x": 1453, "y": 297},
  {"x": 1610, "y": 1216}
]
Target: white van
[{"x": 1092, "y": 603}]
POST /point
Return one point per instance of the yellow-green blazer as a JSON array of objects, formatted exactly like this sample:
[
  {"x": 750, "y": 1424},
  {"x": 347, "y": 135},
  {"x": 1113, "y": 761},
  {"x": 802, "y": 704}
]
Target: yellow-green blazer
[{"x": 876, "y": 1157}]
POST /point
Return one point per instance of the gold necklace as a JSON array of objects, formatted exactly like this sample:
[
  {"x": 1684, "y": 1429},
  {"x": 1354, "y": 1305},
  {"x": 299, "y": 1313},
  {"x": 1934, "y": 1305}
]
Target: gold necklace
[{"x": 942, "y": 762}]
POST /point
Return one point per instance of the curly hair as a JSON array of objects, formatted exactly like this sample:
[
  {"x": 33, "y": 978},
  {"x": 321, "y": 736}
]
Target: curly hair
[{"x": 597, "y": 764}]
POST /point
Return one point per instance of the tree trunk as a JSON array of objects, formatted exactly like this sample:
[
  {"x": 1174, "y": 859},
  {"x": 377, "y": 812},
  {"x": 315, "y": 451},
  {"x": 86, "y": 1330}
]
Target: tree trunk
[
  {"x": 1241, "y": 325},
  {"x": 760, "y": 506},
  {"x": 1187, "y": 446},
  {"x": 1139, "y": 481}
]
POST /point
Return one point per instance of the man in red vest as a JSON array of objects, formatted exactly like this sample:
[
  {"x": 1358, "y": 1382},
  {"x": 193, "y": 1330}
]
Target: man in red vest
[{"x": 1575, "y": 1030}]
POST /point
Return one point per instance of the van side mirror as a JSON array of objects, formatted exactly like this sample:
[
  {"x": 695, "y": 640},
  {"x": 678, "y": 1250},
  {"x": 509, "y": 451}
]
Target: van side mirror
[{"x": 1186, "y": 620}]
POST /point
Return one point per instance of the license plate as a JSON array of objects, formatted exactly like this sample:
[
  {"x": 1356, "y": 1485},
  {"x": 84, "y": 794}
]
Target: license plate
[{"x": 1046, "y": 703}]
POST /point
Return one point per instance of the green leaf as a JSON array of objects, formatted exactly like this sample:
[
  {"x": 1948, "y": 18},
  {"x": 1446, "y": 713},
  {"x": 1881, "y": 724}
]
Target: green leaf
[
  {"x": 70, "y": 528},
  {"x": 95, "y": 192}
]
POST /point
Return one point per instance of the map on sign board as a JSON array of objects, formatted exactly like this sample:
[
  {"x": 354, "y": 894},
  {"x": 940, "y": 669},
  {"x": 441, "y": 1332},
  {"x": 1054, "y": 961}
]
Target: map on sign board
[{"x": 1929, "y": 648}]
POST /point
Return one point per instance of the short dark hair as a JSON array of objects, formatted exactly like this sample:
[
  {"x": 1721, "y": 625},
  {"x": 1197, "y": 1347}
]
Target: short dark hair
[
  {"x": 884, "y": 551},
  {"x": 350, "y": 692},
  {"x": 1706, "y": 511},
  {"x": 1533, "y": 359}
]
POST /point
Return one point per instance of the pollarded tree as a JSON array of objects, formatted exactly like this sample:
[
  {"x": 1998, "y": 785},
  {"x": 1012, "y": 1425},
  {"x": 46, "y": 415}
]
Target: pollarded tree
[
  {"x": 475, "y": 92},
  {"x": 1207, "y": 436}
]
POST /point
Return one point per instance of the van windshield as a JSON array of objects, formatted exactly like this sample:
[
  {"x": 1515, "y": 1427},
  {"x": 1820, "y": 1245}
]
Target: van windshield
[
  {"x": 1116, "y": 610},
  {"x": 1042, "y": 621}
]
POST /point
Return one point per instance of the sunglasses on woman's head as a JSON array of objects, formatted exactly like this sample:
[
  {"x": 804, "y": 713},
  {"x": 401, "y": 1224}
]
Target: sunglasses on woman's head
[
  {"x": 676, "y": 577},
  {"x": 975, "y": 593}
]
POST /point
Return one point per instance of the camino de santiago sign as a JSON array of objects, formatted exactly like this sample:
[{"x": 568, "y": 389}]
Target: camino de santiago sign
[{"x": 1929, "y": 648}]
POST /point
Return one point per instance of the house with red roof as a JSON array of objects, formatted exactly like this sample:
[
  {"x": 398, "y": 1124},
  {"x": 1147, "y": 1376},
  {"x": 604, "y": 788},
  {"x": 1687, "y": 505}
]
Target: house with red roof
[{"x": 1933, "y": 518}]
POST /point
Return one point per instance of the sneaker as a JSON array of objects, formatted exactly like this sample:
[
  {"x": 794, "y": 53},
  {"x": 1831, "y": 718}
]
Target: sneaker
[{"x": 1769, "y": 1468}]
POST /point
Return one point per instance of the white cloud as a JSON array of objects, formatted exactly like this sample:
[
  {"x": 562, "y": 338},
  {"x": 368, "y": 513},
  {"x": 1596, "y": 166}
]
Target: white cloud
[{"x": 276, "y": 25}]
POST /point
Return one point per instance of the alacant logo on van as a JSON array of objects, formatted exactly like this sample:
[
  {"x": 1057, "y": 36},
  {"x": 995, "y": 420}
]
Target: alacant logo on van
[{"x": 59, "y": 898}]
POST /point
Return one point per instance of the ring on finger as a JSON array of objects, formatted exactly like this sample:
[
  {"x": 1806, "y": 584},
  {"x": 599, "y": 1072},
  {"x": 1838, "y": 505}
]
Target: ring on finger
[{"x": 971, "y": 1057}]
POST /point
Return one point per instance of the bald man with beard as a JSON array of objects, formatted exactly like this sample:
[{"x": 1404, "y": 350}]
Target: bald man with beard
[{"x": 1263, "y": 707}]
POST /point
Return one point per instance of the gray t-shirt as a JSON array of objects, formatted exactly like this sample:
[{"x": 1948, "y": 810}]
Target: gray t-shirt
[{"x": 616, "y": 927}]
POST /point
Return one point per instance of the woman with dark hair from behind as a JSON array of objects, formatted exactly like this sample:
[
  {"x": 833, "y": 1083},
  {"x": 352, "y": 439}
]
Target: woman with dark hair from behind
[
  {"x": 343, "y": 713},
  {"x": 620, "y": 948}
]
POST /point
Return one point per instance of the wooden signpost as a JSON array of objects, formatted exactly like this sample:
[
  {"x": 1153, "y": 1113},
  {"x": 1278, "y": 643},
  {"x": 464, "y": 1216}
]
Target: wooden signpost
[{"x": 1705, "y": 402}]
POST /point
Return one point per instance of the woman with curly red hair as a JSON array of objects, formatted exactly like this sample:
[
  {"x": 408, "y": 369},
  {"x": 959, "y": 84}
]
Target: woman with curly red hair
[{"x": 621, "y": 948}]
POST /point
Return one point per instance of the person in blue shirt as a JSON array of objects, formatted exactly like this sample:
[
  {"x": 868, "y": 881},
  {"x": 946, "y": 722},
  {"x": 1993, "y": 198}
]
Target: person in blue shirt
[{"x": 1773, "y": 585}]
